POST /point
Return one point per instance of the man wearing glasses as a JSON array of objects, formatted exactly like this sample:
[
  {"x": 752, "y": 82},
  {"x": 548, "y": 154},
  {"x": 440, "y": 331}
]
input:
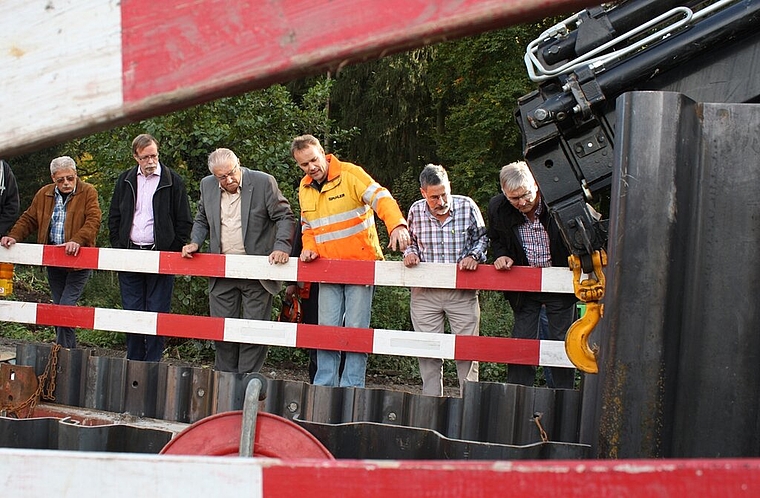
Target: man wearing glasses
[
  {"x": 241, "y": 211},
  {"x": 149, "y": 211},
  {"x": 67, "y": 214},
  {"x": 523, "y": 233}
]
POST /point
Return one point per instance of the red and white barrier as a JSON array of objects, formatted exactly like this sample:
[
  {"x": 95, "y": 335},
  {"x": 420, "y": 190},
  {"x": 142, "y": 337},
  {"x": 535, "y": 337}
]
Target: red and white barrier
[
  {"x": 74, "y": 475},
  {"x": 383, "y": 273},
  {"x": 376, "y": 341},
  {"x": 70, "y": 68}
]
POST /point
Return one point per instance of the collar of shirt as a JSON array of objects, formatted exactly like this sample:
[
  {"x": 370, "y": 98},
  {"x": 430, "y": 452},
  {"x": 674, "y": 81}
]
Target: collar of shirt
[
  {"x": 58, "y": 192},
  {"x": 155, "y": 173},
  {"x": 539, "y": 211},
  {"x": 450, "y": 214}
]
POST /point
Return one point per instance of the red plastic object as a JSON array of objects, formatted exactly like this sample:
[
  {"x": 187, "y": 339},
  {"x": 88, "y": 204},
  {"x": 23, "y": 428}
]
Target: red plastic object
[{"x": 219, "y": 435}]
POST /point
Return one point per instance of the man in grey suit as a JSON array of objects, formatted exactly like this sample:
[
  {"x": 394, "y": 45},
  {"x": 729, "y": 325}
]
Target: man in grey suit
[{"x": 241, "y": 211}]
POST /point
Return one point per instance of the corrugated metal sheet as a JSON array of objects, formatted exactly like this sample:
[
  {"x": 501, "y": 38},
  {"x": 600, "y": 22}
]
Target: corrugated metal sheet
[
  {"x": 490, "y": 413},
  {"x": 49, "y": 433}
]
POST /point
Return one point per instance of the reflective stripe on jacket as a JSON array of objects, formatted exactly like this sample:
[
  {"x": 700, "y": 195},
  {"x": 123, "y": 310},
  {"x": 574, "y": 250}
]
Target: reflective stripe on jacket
[{"x": 338, "y": 222}]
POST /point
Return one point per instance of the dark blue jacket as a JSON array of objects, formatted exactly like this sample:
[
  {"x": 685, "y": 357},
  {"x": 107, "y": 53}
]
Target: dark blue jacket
[
  {"x": 503, "y": 220},
  {"x": 9, "y": 200}
]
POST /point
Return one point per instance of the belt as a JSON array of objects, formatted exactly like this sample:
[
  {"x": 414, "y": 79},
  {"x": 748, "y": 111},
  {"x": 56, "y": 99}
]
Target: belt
[{"x": 148, "y": 247}]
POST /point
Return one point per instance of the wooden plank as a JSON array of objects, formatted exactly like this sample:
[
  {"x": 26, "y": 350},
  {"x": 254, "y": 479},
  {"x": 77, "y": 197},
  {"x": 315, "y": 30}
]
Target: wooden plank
[
  {"x": 71, "y": 68},
  {"x": 60, "y": 70}
]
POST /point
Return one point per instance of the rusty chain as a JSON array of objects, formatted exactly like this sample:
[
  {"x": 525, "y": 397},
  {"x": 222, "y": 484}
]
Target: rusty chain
[{"x": 45, "y": 387}]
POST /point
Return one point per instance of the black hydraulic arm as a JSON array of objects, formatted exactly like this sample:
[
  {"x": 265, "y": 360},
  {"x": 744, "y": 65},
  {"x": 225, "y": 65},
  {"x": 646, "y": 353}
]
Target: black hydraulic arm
[{"x": 568, "y": 124}]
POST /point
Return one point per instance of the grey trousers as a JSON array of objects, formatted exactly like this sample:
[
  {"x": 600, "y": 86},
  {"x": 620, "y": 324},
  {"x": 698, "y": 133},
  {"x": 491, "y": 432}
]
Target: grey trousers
[
  {"x": 429, "y": 310},
  {"x": 239, "y": 298}
]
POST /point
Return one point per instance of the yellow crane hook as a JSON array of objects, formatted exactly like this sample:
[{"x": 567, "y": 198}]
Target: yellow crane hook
[{"x": 590, "y": 291}]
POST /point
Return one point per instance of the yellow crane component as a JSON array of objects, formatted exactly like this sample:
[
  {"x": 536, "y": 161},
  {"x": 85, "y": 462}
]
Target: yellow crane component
[{"x": 590, "y": 291}]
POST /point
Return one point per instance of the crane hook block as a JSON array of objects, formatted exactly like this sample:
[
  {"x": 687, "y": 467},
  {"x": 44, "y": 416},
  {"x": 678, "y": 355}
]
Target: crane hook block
[{"x": 590, "y": 291}]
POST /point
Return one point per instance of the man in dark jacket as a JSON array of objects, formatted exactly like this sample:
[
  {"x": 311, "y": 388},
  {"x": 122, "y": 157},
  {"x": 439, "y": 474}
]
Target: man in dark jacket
[
  {"x": 9, "y": 201},
  {"x": 523, "y": 233},
  {"x": 149, "y": 211}
]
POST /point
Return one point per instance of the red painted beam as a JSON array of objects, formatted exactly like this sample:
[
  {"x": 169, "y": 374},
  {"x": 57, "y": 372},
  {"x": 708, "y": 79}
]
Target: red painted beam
[{"x": 79, "y": 67}]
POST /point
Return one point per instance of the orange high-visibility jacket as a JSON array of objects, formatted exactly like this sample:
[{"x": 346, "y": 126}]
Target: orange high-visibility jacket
[{"x": 338, "y": 222}]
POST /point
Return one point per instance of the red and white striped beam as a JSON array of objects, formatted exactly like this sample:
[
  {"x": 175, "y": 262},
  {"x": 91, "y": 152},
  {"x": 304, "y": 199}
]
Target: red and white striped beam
[
  {"x": 382, "y": 273},
  {"x": 201, "y": 476},
  {"x": 70, "y": 68},
  {"x": 374, "y": 341}
]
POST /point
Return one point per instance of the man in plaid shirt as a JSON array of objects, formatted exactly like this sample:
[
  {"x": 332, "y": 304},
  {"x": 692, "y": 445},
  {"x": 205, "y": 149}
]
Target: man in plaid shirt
[{"x": 445, "y": 228}]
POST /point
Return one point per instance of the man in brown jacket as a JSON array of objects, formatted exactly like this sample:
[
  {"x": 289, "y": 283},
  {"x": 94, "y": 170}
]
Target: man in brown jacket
[{"x": 67, "y": 214}]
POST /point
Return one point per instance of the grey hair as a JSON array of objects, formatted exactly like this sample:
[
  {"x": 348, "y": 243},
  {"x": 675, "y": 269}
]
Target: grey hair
[
  {"x": 433, "y": 174},
  {"x": 221, "y": 157},
  {"x": 63, "y": 162},
  {"x": 516, "y": 175}
]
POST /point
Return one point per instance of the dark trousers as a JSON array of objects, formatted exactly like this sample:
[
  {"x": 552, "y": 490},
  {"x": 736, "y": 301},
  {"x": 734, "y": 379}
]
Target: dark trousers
[
  {"x": 66, "y": 287},
  {"x": 560, "y": 311},
  {"x": 146, "y": 292},
  {"x": 310, "y": 314},
  {"x": 239, "y": 298}
]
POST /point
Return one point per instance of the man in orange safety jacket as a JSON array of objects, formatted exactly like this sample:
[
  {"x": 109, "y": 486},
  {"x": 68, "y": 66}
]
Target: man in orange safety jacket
[{"x": 338, "y": 205}]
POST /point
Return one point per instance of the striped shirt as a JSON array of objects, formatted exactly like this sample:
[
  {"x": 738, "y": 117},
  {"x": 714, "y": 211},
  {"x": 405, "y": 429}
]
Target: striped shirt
[
  {"x": 462, "y": 234},
  {"x": 535, "y": 240},
  {"x": 142, "y": 223}
]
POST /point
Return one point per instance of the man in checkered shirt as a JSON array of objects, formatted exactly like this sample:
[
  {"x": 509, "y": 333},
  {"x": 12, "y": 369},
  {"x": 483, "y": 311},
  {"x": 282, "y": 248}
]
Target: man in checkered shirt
[{"x": 445, "y": 228}]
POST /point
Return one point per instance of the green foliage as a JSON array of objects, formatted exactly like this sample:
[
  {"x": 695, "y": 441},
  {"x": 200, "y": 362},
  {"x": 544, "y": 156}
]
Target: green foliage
[
  {"x": 22, "y": 332},
  {"x": 292, "y": 357},
  {"x": 390, "y": 308},
  {"x": 190, "y": 295},
  {"x": 390, "y": 105},
  {"x": 190, "y": 350},
  {"x": 478, "y": 81}
]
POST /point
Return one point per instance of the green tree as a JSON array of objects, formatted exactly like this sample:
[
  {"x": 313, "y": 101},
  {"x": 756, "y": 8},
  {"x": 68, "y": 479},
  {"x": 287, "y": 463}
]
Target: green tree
[
  {"x": 390, "y": 104},
  {"x": 475, "y": 85}
]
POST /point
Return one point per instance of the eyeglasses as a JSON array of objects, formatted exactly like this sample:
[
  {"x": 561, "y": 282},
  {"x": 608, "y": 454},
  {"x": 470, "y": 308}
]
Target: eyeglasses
[
  {"x": 524, "y": 197},
  {"x": 65, "y": 179},
  {"x": 222, "y": 178},
  {"x": 148, "y": 157}
]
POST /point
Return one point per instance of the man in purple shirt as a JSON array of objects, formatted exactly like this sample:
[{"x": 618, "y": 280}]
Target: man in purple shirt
[{"x": 149, "y": 211}]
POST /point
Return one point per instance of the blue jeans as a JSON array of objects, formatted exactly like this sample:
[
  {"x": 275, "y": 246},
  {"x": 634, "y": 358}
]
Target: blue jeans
[
  {"x": 66, "y": 286},
  {"x": 349, "y": 306},
  {"x": 146, "y": 292}
]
